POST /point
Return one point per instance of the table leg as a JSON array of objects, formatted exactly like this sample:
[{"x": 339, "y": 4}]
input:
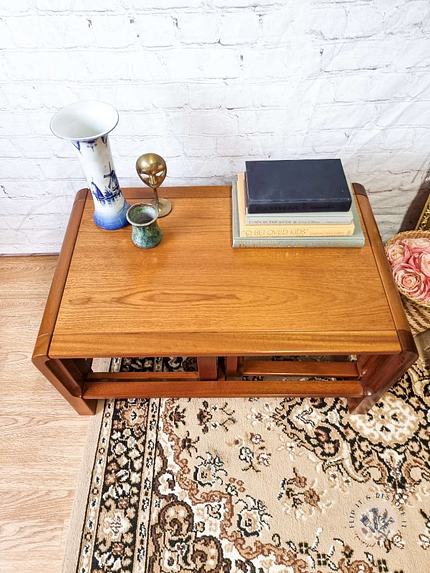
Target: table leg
[
  {"x": 67, "y": 377},
  {"x": 381, "y": 372},
  {"x": 231, "y": 365},
  {"x": 208, "y": 367}
]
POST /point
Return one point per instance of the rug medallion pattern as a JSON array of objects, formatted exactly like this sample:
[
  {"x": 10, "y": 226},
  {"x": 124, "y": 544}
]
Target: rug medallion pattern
[{"x": 261, "y": 485}]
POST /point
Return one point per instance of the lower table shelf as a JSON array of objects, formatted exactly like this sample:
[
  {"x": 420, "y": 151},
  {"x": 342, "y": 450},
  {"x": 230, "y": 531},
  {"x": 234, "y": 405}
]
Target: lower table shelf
[{"x": 361, "y": 381}]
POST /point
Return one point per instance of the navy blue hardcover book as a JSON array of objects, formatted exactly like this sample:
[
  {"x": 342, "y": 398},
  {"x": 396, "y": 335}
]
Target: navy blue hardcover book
[{"x": 296, "y": 185}]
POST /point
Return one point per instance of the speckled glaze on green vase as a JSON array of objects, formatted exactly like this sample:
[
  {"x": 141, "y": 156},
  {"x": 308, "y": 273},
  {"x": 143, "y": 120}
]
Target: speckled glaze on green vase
[{"x": 145, "y": 232}]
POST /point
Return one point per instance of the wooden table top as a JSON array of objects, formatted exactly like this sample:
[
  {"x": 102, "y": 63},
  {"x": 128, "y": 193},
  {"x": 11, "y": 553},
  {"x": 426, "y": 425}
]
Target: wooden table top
[{"x": 195, "y": 295}]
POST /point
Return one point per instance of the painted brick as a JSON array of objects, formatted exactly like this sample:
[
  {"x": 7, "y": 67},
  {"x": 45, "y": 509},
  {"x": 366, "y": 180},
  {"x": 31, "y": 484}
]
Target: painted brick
[
  {"x": 65, "y": 66},
  {"x": 5, "y": 34},
  {"x": 238, "y": 146},
  {"x": 61, "y": 168},
  {"x": 363, "y": 20},
  {"x": 271, "y": 95},
  {"x": 128, "y": 146},
  {"x": 203, "y": 123},
  {"x": 17, "y": 124},
  {"x": 39, "y": 121},
  {"x": 281, "y": 146},
  {"x": 207, "y": 96},
  {"x": 11, "y": 169},
  {"x": 403, "y": 114},
  {"x": 202, "y": 64},
  {"x": 34, "y": 220},
  {"x": 131, "y": 97},
  {"x": 414, "y": 54},
  {"x": 337, "y": 116},
  {"x": 45, "y": 204},
  {"x": 113, "y": 31},
  {"x": 340, "y": 1},
  {"x": 155, "y": 30},
  {"x": 9, "y": 148},
  {"x": 263, "y": 121},
  {"x": 34, "y": 147},
  {"x": 199, "y": 28},
  {"x": 276, "y": 26},
  {"x": 360, "y": 55},
  {"x": 166, "y": 146},
  {"x": 239, "y": 28},
  {"x": 4, "y": 104},
  {"x": 385, "y": 86},
  {"x": 150, "y": 5},
  {"x": 246, "y": 3},
  {"x": 214, "y": 167},
  {"x": 328, "y": 23},
  {"x": 169, "y": 96},
  {"x": 68, "y": 30},
  {"x": 54, "y": 96},
  {"x": 97, "y": 6},
  {"x": 278, "y": 63},
  {"x": 367, "y": 139},
  {"x": 239, "y": 96},
  {"x": 325, "y": 142},
  {"x": 78, "y": 5},
  {"x": 354, "y": 87},
  {"x": 142, "y": 123},
  {"x": 412, "y": 14},
  {"x": 21, "y": 96},
  {"x": 6, "y": 7},
  {"x": 400, "y": 162},
  {"x": 198, "y": 146}
]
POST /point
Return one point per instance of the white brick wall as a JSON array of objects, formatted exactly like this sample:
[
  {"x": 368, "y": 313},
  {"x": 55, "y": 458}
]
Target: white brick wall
[{"x": 207, "y": 84}]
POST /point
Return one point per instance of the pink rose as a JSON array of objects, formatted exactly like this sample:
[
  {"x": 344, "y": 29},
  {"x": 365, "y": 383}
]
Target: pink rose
[
  {"x": 420, "y": 262},
  {"x": 412, "y": 281},
  {"x": 398, "y": 253},
  {"x": 425, "y": 263},
  {"x": 418, "y": 245}
]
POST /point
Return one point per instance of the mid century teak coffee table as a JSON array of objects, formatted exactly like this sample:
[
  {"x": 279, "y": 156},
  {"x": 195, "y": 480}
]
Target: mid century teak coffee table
[{"x": 194, "y": 295}]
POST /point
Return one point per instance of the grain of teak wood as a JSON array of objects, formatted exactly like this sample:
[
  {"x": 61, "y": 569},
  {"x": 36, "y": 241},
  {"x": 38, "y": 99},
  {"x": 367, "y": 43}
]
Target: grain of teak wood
[{"x": 195, "y": 295}]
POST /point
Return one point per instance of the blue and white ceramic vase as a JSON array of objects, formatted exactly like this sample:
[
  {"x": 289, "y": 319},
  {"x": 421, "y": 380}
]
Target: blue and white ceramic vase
[{"x": 86, "y": 125}]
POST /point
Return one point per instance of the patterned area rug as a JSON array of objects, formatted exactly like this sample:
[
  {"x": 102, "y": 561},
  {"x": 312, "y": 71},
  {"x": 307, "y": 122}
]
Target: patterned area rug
[{"x": 256, "y": 485}]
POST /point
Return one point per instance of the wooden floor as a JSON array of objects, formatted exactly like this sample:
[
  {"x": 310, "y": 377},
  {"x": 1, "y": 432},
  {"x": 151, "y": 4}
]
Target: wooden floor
[{"x": 41, "y": 438}]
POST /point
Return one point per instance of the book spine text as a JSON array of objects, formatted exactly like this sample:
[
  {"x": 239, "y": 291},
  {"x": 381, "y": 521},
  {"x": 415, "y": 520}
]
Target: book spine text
[{"x": 239, "y": 242}]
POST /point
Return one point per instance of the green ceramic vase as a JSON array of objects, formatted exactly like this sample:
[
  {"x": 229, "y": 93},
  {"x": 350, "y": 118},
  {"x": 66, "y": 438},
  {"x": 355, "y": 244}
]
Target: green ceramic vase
[{"x": 145, "y": 232}]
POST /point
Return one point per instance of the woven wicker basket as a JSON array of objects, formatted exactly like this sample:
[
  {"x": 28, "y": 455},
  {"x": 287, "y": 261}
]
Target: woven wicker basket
[{"x": 418, "y": 312}]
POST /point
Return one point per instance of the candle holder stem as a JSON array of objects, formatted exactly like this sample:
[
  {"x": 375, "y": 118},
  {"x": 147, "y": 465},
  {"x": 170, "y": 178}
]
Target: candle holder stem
[{"x": 163, "y": 205}]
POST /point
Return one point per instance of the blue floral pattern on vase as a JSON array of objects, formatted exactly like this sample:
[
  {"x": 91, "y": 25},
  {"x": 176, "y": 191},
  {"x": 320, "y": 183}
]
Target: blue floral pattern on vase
[{"x": 110, "y": 206}]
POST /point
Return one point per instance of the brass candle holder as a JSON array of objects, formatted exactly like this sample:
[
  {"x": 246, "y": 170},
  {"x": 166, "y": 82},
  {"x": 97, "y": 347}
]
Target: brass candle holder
[{"x": 152, "y": 170}]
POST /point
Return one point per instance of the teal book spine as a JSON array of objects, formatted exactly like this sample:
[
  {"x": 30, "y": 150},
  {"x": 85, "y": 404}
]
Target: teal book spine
[{"x": 352, "y": 241}]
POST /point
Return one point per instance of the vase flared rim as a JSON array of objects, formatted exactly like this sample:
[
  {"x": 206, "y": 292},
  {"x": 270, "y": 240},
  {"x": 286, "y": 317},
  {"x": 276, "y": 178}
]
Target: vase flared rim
[{"x": 84, "y": 120}]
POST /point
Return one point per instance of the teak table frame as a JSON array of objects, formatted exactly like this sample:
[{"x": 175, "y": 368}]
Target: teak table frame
[{"x": 109, "y": 298}]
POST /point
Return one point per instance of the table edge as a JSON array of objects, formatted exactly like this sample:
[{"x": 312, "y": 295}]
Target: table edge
[
  {"x": 224, "y": 344},
  {"x": 391, "y": 292},
  {"x": 52, "y": 306}
]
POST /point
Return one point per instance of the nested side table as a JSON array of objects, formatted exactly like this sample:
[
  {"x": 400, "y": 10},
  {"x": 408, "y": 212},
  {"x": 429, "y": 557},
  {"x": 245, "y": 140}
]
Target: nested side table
[{"x": 194, "y": 295}]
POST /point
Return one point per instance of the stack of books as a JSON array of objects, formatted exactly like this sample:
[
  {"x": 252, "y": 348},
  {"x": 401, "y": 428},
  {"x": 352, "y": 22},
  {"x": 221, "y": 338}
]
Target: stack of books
[{"x": 294, "y": 203}]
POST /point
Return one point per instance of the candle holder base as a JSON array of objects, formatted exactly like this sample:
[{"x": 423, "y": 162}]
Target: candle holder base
[{"x": 164, "y": 206}]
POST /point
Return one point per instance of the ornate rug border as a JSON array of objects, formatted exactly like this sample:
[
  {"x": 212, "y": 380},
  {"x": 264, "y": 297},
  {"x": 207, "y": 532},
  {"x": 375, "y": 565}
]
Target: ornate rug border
[{"x": 71, "y": 552}]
